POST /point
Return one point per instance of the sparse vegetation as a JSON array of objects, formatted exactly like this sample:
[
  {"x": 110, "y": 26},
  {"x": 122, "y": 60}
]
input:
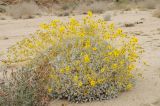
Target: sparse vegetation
[
  {"x": 157, "y": 13},
  {"x": 2, "y": 9},
  {"x": 61, "y": 7},
  {"x": 148, "y": 4},
  {"x": 98, "y": 7},
  {"x": 25, "y": 86},
  {"x": 23, "y": 10}
]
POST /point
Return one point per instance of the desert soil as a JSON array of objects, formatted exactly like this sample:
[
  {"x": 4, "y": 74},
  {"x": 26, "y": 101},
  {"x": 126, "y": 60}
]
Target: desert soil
[{"x": 146, "y": 28}]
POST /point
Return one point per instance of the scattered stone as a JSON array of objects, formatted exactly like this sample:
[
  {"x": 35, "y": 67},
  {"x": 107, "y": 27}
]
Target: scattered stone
[
  {"x": 158, "y": 46},
  {"x": 156, "y": 103},
  {"x": 122, "y": 12},
  {"x": 4, "y": 38},
  {"x": 84, "y": 13},
  {"x": 156, "y": 39},
  {"x": 1, "y": 81},
  {"x": 66, "y": 14},
  {"x": 63, "y": 104},
  {"x": 139, "y": 22},
  {"x": 2, "y": 18},
  {"x": 129, "y": 24},
  {"x": 147, "y": 104},
  {"x": 115, "y": 14},
  {"x": 128, "y": 8},
  {"x": 145, "y": 35},
  {"x": 27, "y": 16},
  {"x": 158, "y": 29},
  {"x": 142, "y": 19},
  {"x": 107, "y": 17}
]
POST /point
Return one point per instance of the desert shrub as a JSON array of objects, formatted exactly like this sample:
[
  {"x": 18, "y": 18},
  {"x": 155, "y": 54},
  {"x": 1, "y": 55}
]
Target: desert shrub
[
  {"x": 2, "y": 9},
  {"x": 156, "y": 13},
  {"x": 69, "y": 5},
  {"x": 148, "y": 4},
  {"x": 23, "y": 10},
  {"x": 26, "y": 86},
  {"x": 88, "y": 59},
  {"x": 98, "y": 7}
]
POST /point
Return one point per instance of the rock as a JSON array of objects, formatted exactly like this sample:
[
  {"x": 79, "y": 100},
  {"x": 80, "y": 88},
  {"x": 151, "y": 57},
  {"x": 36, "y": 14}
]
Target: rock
[
  {"x": 2, "y": 18},
  {"x": 129, "y": 24},
  {"x": 107, "y": 17},
  {"x": 156, "y": 103}
]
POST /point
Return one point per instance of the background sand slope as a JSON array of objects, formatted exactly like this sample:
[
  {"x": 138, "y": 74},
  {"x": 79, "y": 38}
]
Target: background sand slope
[{"x": 147, "y": 90}]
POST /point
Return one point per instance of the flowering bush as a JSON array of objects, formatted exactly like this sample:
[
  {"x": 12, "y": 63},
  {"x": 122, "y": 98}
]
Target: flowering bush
[{"x": 90, "y": 60}]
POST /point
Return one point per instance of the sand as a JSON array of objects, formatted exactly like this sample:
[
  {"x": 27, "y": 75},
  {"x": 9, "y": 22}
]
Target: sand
[{"x": 147, "y": 90}]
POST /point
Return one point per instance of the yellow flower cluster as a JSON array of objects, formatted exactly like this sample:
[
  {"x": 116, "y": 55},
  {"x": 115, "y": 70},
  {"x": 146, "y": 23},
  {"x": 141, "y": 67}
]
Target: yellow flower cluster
[{"x": 84, "y": 54}]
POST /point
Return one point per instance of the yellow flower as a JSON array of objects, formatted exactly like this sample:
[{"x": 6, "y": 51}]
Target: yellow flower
[
  {"x": 88, "y": 77},
  {"x": 51, "y": 76},
  {"x": 61, "y": 70},
  {"x": 122, "y": 62},
  {"x": 80, "y": 83},
  {"x": 102, "y": 70},
  {"x": 86, "y": 58},
  {"x": 109, "y": 47},
  {"x": 100, "y": 80},
  {"x": 74, "y": 22},
  {"x": 93, "y": 83},
  {"x": 30, "y": 45},
  {"x": 44, "y": 26},
  {"x": 116, "y": 53},
  {"x": 119, "y": 31},
  {"x": 87, "y": 44},
  {"x": 134, "y": 39},
  {"x": 131, "y": 67},
  {"x": 82, "y": 33},
  {"x": 114, "y": 66},
  {"x": 111, "y": 26},
  {"x": 110, "y": 53},
  {"x": 62, "y": 29},
  {"x": 67, "y": 68},
  {"x": 129, "y": 86},
  {"x": 49, "y": 90},
  {"x": 94, "y": 48},
  {"x": 54, "y": 23},
  {"x": 75, "y": 78},
  {"x": 90, "y": 13}
]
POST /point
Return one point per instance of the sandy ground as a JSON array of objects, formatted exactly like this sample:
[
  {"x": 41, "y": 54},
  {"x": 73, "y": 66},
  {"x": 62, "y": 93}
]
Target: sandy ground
[{"x": 147, "y": 90}]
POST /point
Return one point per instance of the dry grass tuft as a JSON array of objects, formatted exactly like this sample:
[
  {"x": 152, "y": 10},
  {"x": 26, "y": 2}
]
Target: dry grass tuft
[
  {"x": 98, "y": 7},
  {"x": 24, "y": 86},
  {"x": 157, "y": 13},
  {"x": 23, "y": 10},
  {"x": 2, "y": 9},
  {"x": 148, "y": 4}
]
